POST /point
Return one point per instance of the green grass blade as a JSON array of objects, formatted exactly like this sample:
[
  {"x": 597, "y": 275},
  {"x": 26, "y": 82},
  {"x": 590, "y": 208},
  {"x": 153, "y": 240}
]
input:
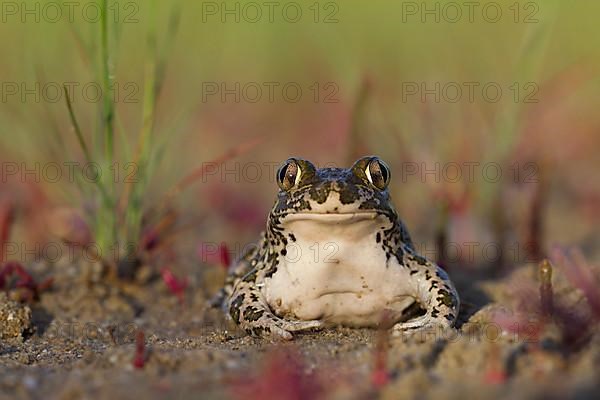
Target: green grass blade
[{"x": 76, "y": 127}]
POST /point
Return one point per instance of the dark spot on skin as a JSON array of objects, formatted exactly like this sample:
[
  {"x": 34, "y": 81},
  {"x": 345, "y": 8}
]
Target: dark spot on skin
[
  {"x": 319, "y": 193},
  {"x": 399, "y": 256},
  {"x": 449, "y": 317},
  {"x": 252, "y": 314},
  {"x": 446, "y": 299},
  {"x": 378, "y": 237},
  {"x": 234, "y": 308},
  {"x": 284, "y": 252},
  {"x": 292, "y": 237},
  {"x": 370, "y": 204},
  {"x": 349, "y": 194},
  {"x": 413, "y": 271},
  {"x": 418, "y": 259},
  {"x": 435, "y": 312},
  {"x": 271, "y": 271},
  {"x": 257, "y": 331},
  {"x": 250, "y": 277}
]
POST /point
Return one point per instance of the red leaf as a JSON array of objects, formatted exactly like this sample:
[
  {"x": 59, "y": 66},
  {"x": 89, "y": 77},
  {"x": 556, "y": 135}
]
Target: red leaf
[
  {"x": 281, "y": 377},
  {"x": 579, "y": 273},
  {"x": 24, "y": 279},
  {"x": 495, "y": 377},
  {"x": 175, "y": 285}
]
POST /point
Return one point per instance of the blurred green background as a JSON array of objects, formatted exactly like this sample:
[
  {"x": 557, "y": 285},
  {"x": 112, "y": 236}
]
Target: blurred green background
[{"x": 357, "y": 64}]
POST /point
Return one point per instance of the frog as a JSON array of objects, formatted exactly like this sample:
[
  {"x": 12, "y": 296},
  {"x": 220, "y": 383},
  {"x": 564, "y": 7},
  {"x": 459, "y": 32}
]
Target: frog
[{"x": 335, "y": 253}]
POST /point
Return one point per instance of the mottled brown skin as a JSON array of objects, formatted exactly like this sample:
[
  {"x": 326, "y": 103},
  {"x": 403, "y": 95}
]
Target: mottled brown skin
[{"x": 364, "y": 187}]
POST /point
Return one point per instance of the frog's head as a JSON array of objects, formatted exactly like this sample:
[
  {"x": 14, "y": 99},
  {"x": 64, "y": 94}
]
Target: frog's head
[{"x": 333, "y": 194}]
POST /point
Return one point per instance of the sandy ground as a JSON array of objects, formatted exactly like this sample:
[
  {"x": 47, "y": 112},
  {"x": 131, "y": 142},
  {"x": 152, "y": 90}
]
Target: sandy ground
[{"x": 78, "y": 341}]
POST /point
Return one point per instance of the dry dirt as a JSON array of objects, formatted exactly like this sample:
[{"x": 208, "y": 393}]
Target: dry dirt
[{"x": 78, "y": 341}]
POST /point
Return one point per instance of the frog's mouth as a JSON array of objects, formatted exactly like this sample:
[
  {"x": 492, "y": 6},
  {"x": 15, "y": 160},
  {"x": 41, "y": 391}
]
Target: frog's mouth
[{"x": 333, "y": 217}]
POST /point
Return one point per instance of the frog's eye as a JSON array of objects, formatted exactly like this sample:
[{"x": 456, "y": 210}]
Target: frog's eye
[
  {"x": 289, "y": 175},
  {"x": 378, "y": 173}
]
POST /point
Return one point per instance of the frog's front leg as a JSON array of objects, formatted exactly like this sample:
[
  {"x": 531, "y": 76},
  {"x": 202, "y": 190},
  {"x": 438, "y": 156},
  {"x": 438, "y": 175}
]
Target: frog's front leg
[
  {"x": 436, "y": 294},
  {"x": 251, "y": 312}
]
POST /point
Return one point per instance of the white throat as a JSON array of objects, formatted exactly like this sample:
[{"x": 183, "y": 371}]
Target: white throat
[{"x": 334, "y": 261}]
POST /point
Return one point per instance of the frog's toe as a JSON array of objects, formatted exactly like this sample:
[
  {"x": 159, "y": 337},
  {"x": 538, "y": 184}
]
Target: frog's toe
[
  {"x": 413, "y": 324},
  {"x": 422, "y": 326},
  {"x": 267, "y": 327},
  {"x": 282, "y": 329},
  {"x": 279, "y": 333},
  {"x": 279, "y": 328},
  {"x": 297, "y": 326}
]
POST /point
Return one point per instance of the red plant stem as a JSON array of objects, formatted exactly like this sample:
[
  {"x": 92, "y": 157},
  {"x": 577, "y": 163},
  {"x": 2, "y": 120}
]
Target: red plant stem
[
  {"x": 199, "y": 172},
  {"x": 152, "y": 237},
  {"x": 500, "y": 226},
  {"x": 224, "y": 255},
  {"x": 140, "y": 350},
  {"x": 546, "y": 292},
  {"x": 380, "y": 376},
  {"x": 535, "y": 228},
  {"x": 356, "y": 147},
  {"x": 45, "y": 284},
  {"x": 6, "y": 221},
  {"x": 495, "y": 374}
]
